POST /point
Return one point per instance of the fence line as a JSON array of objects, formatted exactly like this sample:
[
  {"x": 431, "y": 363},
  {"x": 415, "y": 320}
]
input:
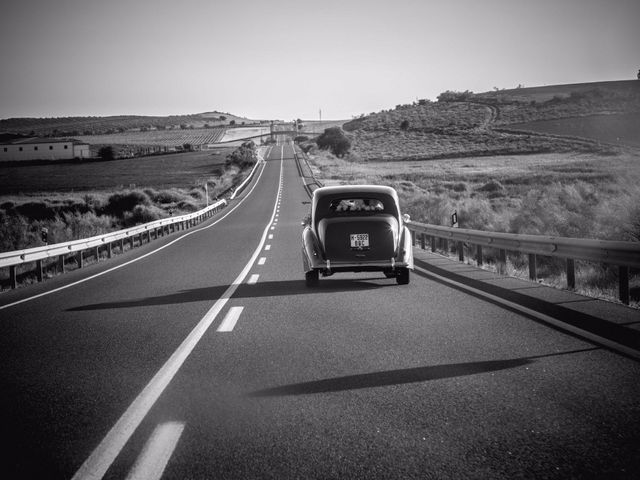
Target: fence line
[{"x": 625, "y": 255}]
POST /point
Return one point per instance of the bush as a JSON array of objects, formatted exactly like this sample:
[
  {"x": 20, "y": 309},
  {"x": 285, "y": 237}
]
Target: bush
[
  {"x": 107, "y": 153},
  {"x": 142, "y": 214},
  {"x": 244, "y": 156},
  {"x": 119, "y": 203},
  {"x": 335, "y": 140},
  {"x": 404, "y": 125}
]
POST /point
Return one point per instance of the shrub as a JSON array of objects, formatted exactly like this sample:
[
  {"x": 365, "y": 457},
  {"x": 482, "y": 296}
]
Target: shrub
[
  {"x": 107, "y": 153},
  {"x": 14, "y": 232},
  {"x": 404, "y": 125},
  {"x": 36, "y": 211},
  {"x": 142, "y": 214},
  {"x": 335, "y": 140},
  {"x": 119, "y": 203},
  {"x": 244, "y": 156},
  {"x": 82, "y": 225}
]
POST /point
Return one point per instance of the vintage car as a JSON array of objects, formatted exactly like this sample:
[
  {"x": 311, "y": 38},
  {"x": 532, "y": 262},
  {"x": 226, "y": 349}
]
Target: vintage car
[{"x": 356, "y": 228}]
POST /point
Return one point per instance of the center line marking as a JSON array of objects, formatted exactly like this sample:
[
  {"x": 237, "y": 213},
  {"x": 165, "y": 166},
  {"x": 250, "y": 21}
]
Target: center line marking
[
  {"x": 262, "y": 260},
  {"x": 157, "y": 452},
  {"x": 253, "y": 279},
  {"x": 271, "y": 236},
  {"x": 267, "y": 247},
  {"x": 99, "y": 461},
  {"x": 230, "y": 319}
]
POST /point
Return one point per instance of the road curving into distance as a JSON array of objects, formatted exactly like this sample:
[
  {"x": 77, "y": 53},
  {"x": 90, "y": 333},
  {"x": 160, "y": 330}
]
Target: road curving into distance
[{"x": 209, "y": 358}]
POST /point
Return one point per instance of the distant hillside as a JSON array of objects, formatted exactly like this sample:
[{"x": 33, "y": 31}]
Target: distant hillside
[
  {"x": 75, "y": 126},
  {"x": 523, "y": 120}
]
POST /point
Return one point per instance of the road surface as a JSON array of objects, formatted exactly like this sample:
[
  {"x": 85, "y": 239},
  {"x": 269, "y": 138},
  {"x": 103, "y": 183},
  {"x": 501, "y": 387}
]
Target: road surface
[{"x": 204, "y": 356}]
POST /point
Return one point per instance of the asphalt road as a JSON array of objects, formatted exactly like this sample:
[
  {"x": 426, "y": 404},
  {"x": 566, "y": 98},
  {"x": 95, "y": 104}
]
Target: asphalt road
[{"x": 208, "y": 358}]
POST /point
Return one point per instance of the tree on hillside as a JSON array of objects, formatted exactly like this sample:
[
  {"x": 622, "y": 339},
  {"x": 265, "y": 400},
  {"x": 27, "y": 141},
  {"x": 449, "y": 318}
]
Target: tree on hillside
[
  {"x": 106, "y": 153},
  {"x": 335, "y": 140}
]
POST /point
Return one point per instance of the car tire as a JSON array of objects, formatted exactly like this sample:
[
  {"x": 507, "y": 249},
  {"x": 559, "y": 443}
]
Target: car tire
[
  {"x": 402, "y": 277},
  {"x": 312, "y": 278}
]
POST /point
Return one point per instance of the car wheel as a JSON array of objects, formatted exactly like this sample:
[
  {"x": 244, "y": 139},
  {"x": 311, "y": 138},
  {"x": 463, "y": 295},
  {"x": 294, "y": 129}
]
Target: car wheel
[
  {"x": 402, "y": 276},
  {"x": 311, "y": 278}
]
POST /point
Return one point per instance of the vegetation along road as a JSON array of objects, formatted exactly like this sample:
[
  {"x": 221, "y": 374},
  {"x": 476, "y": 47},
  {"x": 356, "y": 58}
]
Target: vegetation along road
[{"x": 203, "y": 355}]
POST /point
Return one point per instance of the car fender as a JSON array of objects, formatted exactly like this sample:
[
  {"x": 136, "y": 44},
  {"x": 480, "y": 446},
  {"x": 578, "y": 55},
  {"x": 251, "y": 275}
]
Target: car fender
[
  {"x": 405, "y": 250},
  {"x": 312, "y": 254}
]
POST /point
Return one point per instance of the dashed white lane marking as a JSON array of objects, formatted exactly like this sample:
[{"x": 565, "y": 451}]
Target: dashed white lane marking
[
  {"x": 230, "y": 319},
  {"x": 152, "y": 461},
  {"x": 273, "y": 228},
  {"x": 267, "y": 247},
  {"x": 262, "y": 260},
  {"x": 271, "y": 236},
  {"x": 253, "y": 279},
  {"x": 112, "y": 444}
]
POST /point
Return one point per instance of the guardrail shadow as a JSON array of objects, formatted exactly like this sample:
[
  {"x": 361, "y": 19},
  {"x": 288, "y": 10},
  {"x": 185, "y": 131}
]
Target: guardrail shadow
[
  {"x": 402, "y": 376},
  {"x": 261, "y": 289}
]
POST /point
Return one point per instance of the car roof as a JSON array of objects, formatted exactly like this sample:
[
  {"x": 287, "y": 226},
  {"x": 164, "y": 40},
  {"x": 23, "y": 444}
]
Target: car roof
[{"x": 340, "y": 190}]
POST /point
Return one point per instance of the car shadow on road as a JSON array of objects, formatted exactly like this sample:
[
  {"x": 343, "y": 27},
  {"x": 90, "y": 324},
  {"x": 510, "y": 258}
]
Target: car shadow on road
[
  {"x": 402, "y": 376},
  {"x": 260, "y": 289}
]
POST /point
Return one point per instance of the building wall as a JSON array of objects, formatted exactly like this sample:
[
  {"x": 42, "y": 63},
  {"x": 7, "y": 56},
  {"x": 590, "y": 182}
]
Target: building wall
[{"x": 43, "y": 151}]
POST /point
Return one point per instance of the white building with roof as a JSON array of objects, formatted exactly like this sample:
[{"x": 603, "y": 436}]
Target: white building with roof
[{"x": 35, "y": 148}]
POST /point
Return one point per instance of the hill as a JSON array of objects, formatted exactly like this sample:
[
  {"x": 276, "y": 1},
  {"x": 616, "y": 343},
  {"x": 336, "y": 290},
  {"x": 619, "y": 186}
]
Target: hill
[
  {"x": 75, "y": 126},
  {"x": 523, "y": 120}
]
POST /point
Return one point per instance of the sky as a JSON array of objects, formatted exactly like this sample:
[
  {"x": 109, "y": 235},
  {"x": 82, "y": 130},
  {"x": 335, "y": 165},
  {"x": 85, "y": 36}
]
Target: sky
[{"x": 287, "y": 59}]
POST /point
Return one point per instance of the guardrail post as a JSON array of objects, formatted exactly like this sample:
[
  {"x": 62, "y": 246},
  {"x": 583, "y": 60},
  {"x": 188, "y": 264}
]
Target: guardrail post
[
  {"x": 122, "y": 245},
  {"x": 80, "y": 260},
  {"x": 97, "y": 254},
  {"x": 39, "y": 270},
  {"x": 479, "y": 255},
  {"x": 533, "y": 271},
  {"x": 61, "y": 263},
  {"x": 571, "y": 273},
  {"x": 461, "y": 251},
  {"x": 445, "y": 246},
  {"x": 109, "y": 250},
  {"x": 423, "y": 241},
  {"x": 624, "y": 284},
  {"x": 13, "y": 276},
  {"x": 433, "y": 244},
  {"x": 502, "y": 262}
]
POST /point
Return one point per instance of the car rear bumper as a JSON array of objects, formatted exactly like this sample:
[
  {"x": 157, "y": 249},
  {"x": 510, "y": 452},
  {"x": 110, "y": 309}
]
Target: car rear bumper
[{"x": 314, "y": 258}]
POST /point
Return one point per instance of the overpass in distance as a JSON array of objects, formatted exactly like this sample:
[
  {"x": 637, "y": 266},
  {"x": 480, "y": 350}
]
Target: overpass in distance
[{"x": 204, "y": 355}]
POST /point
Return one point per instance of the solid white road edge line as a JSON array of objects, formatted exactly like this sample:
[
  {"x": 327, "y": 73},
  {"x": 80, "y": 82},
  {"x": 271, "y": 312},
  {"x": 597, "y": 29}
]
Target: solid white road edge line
[
  {"x": 64, "y": 287},
  {"x": 109, "y": 448},
  {"x": 540, "y": 316},
  {"x": 157, "y": 451},
  {"x": 230, "y": 320}
]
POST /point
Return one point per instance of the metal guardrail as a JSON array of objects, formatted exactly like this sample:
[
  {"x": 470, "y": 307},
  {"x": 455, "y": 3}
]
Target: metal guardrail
[
  {"x": 625, "y": 255},
  {"x": 157, "y": 228}
]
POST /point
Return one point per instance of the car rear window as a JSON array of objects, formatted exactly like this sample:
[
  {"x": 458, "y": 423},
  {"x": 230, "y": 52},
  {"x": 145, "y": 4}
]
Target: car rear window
[{"x": 356, "y": 205}]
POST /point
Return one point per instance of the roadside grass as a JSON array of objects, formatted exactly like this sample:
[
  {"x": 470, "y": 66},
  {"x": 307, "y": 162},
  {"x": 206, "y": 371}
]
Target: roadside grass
[
  {"x": 579, "y": 195},
  {"x": 109, "y": 196}
]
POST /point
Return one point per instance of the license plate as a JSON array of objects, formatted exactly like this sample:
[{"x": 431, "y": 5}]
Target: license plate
[{"x": 359, "y": 241}]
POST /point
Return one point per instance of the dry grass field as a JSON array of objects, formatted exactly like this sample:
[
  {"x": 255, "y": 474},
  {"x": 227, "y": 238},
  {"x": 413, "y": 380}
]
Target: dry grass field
[{"x": 561, "y": 161}]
